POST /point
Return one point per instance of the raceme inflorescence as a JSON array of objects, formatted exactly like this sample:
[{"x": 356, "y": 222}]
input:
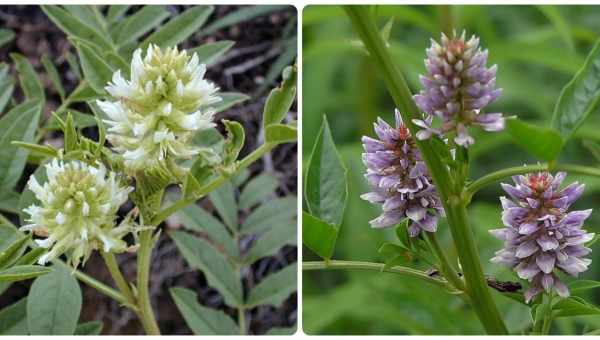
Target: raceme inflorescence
[
  {"x": 456, "y": 88},
  {"x": 399, "y": 179},
  {"x": 541, "y": 236},
  {"x": 77, "y": 211},
  {"x": 154, "y": 114}
]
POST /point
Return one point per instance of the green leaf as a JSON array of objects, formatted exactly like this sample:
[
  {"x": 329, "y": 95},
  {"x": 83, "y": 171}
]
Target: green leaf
[
  {"x": 200, "y": 319},
  {"x": 81, "y": 120},
  {"x": 7, "y": 86},
  {"x": 241, "y": 15},
  {"x": 89, "y": 14},
  {"x": 52, "y": 73},
  {"x": 318, "y": 235},
  {"x": 13, "y": 319},
  {"x": 574, "y": 306},
  {"x": 75, "y": 28},
  {"x": 279, "y": 133},
  {"x": 116, "y": 12},
  {"x": 141, "y": 22},
  {"x": 276, "y": 213},
  {"x": 180, "y": 28},
  {"x": 553, "y": 13},
  {"x": 583, "y": 285},
  {"x": 70, "y": 133},
  {"x": 210, "y": 52},
  {"x": 548, "y": 142},
  {"x": 219, "y": 273},
  {"x": 580, "y": 97},
  {"x": 9, "y": 202},
  {"x": 257, "y": 190},
  {"x": 326, "y": 179},
  {"x": 275, "y": 288},
  {"x": 394, "y": 254},
  {"x": 89, "y": 328},
  {"x": 24, "y": 272},
  {"x": 234, "y": 141},
  {"x": 30, "y": 83},
  {"x": 97, "y": 72},
  {"x": 73, "y": 65},
  {"x": 19, "y": 124},
  {"x": 6, "y": 36},
  {"x": 272, "y": 241},
  {"x": 54, "y": 303},
  {"x": 223, "y": 199},
  {"x": 280, "y": 99},
  {"x": 195, "y": 218},
  {"x": 229, "y": 99},
  {"x": 12, "y": 253}
]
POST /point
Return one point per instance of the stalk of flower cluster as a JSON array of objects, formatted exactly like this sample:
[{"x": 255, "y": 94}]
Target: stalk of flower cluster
[
  {"x": 456, "y": 88},
  {"x": 455, "y": 208},
  {"x": 77, "y": 211},
  {"x": 541, "y": 236},
  {"x": 153, "y": 115}
]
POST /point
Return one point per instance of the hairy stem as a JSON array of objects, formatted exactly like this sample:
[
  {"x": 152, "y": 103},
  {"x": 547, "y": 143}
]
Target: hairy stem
[
  {"x": 377, "y": 267},
  {"x": 483, "y": 303},
  {"x": 117, "y": 276},
  {"x": 99, "y": 286},
  {"x": 144, "y": 255},
  {"x": 496, "y": 176}
]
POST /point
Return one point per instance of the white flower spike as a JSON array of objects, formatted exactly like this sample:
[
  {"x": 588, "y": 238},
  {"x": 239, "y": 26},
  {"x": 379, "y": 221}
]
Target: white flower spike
[
  {"x": 153, "y": 115},
  {"x": 77, "y": 210}
]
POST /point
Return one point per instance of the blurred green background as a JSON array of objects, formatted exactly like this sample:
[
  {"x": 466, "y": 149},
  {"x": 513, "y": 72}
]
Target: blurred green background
[{"x": 538, "y": 49}]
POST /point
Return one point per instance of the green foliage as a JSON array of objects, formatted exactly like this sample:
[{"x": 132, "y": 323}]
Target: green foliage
[
  {"x": 548, "y": 141},
  {"x": 280, "y": 99},
  {"x": 54, "y": 303},
  {"x": 218, "y": 254}
]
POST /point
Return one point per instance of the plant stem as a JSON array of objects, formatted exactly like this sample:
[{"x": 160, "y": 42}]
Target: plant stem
[
  {"x": 99, "y": 286},
  {"x": 242, "y": 319},
  {"x": 143, "y": 276},
  {"x": 117, "y": 276},
  {"x": 244, "y": 163},
  {"x": 496, "y": 176},
  {"x": 445, "y": 267},
  {"x": 477, "y": 289},
  {"x": 378, "y": 267}
]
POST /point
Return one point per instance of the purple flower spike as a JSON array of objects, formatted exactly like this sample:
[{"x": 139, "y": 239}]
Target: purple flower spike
[
  {"x": 541, "y": 236},
  {"x": 458, "y": 85},
  {"x": 399, "y": 179}
]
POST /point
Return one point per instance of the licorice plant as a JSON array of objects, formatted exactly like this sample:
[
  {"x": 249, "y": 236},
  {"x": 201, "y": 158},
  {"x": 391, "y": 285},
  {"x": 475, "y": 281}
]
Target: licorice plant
[
  {"x": 154, "y": 131},
  {"x": 417, "y": 171}
]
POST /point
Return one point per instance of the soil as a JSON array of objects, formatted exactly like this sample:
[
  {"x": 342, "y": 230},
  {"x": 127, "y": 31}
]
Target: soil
[{"x": 242, "y": 69}]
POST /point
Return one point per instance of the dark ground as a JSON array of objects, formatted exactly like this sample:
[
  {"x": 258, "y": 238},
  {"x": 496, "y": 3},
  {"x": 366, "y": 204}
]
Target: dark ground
[{"x": 241, "y": 69}]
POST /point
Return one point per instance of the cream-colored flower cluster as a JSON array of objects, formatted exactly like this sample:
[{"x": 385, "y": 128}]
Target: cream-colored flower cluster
[
  {"x": 154, "y": 114},
  {"x": 77, "y": 211}
]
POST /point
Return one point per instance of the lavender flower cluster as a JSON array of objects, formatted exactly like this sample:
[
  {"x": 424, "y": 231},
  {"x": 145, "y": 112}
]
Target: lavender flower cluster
[
  {"x": 458, "y": 85},
  {"x": 399, "y": 179},
  {"x": 541, "y": 236}
]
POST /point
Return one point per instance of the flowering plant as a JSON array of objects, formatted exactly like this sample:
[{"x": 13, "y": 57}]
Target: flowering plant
[
  {"x": 150, "y": 149},
  {"x": 417, "y": 170}
]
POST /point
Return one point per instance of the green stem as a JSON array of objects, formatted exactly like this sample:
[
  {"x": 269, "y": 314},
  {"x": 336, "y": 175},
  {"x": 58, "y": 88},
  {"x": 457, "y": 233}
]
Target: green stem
[
  {"x": 182, "y": 203},
  {"x": 99, "y": 286},
  {"x": 476, "y": 285},
  {"x": 445, "y": 267},
  {"x": 496, "y": 176},
  {"x": 117, "y": 276},
  {"x": 242, "y": 320},
  {"x": 377, "y": 267},
  {"x": 143, "y": 276}
]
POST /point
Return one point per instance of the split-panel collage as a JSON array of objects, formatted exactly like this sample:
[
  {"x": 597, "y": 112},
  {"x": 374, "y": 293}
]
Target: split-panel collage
[{"x": 299, "y": 169}]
